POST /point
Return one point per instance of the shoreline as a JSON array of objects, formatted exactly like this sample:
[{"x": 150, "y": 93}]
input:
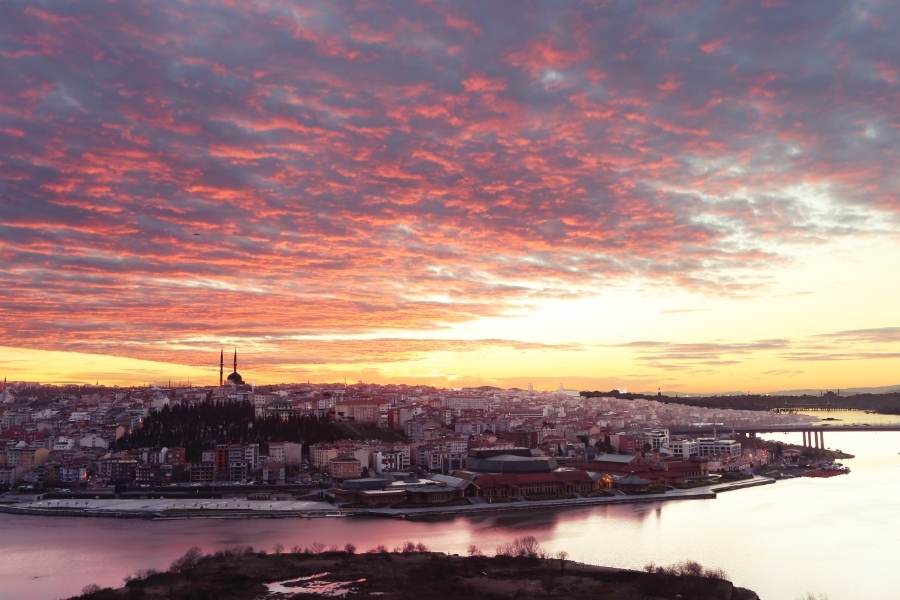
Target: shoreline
[{"x": 166, "y": 510}]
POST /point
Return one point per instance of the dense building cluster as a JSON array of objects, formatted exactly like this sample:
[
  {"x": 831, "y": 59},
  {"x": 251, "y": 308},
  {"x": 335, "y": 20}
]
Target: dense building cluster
[{"x": 446, "y": 445}]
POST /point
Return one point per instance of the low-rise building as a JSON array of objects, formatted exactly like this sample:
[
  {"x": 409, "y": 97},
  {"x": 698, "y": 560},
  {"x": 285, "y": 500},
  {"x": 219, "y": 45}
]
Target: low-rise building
[
  {"x": 716, "y": 447},
  {"x": 117, "y": 470},
  {"x": 562, "y": 483},
  {"x": 682, "y": 447},
  {"x": 321, "y": 454},
  {"x": 93, "y": 440},
  {"x": 344, "y": 467},
  {"x": 288, "y": 453},
  {"x": 202, "y": 472}
]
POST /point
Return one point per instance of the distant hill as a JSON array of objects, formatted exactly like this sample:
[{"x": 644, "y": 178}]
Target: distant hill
[
  {"x": 886, "y": 389},
  {"x": 854, "y": 391},
  {"x": 883, "y": 402}
]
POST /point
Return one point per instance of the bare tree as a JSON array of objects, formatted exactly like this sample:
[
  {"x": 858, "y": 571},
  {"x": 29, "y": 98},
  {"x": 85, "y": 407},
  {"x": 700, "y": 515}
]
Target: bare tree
[
  {"x": 689, "y": 568},
  {"x": 523, "y": 547},
  {"x": 187, "y": 561},
  {"x": 562, "y": 555},
  {"x": 692, "y": 567},
  {"x": 141, "y": 574},
  {"x": 715, "y": 574},
  {"x": 528, "y": 547},
  {"x": 350, "y": 549}
]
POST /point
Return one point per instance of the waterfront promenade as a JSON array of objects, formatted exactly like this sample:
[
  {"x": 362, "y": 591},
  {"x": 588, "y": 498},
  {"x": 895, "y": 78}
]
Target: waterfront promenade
[{"x": 243, "y": 509}]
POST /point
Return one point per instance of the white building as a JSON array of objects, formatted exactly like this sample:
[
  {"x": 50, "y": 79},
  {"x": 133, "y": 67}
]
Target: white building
[
  {"x": 684, "y": 448},
  {"x": 387, "y": 460},
  {"x": 288, "y": 453},
  {"x": 251, "y": 456},
  {"x": 92, "y": 440},
  {"x": 657, "y": 438},
  {"x": 468, "y": 402},
  {"x": 717, "y": 447},
  {"x": 63, "y": 444}
]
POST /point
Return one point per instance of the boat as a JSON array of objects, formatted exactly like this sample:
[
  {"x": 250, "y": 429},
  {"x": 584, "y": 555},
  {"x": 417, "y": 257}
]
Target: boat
[
  {"x": 837, "y": 467},
  {"x": 828, "y": 470}
]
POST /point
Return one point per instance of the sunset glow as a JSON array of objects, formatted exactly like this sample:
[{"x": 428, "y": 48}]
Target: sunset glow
[{"x": 675, "y": 195}]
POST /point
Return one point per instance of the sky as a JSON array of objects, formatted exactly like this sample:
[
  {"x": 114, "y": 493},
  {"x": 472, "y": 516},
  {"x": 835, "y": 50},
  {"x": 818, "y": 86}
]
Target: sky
[{"x": 692, "y": 196}]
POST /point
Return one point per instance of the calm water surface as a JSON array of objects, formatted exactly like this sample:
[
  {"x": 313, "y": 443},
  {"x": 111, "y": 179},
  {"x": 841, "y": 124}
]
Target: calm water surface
[{"x": 835, "y": 536}]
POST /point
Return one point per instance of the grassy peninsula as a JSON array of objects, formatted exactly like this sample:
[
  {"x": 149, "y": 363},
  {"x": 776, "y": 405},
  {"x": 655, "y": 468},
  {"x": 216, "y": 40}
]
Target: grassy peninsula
[{"x": 520, "y": 570}]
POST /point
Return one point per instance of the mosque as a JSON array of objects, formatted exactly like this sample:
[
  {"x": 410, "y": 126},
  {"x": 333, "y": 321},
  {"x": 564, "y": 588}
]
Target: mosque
[
  {"x": 234, "y": 379},
  {"x": 233, "y": 387}
]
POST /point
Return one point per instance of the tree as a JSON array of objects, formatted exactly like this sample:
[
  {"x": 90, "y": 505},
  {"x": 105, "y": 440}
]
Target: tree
[
  {"x": 523, "y": 547},
  {"x": 203, "y": 425},
  {"x": 350, "y": 549},
  {"x": 691, "y": 567},
  {"x": 138, "y": 576},
  {"x": 91, "y": 588},
  {"x": 562, "y": 555},
  {"x": 187, "y": 561}
]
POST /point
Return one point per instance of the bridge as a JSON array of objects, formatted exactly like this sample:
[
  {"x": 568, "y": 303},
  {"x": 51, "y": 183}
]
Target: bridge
[
  {"x": 813, "y": 433},
  {"x": 803, "y": 408}
]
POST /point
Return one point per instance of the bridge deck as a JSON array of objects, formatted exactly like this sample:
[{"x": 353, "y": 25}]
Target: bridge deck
[{"x": 785, "y": 428}]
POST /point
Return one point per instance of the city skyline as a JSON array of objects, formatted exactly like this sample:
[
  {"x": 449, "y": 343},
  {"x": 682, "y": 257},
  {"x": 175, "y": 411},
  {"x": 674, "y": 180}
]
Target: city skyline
[{"x": 697, "y": 198}]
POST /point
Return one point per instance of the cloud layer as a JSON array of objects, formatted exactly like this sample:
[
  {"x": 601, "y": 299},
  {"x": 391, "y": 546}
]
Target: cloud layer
[{"x": 186, "y": 172}]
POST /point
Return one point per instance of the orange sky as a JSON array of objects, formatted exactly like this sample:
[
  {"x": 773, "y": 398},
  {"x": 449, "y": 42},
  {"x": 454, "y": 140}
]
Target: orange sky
[{"x": 697, "y": 198}]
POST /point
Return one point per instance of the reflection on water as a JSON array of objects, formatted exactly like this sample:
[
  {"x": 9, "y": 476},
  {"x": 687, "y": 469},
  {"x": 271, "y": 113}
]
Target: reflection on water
[{"x": 835, "y": 536}]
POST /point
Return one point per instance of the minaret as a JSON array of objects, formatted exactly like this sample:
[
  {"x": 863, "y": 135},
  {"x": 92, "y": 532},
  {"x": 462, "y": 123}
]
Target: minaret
[
  {"x": 235, "y": 360},
  {"x": 221, "y": 367}
]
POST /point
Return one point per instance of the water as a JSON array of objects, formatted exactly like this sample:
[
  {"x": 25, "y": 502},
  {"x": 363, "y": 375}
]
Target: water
[{"x": 834, "y": 536}]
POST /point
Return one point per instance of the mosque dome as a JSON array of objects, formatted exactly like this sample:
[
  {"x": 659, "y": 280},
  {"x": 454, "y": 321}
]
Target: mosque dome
[{"x": 235, "y": 377}]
